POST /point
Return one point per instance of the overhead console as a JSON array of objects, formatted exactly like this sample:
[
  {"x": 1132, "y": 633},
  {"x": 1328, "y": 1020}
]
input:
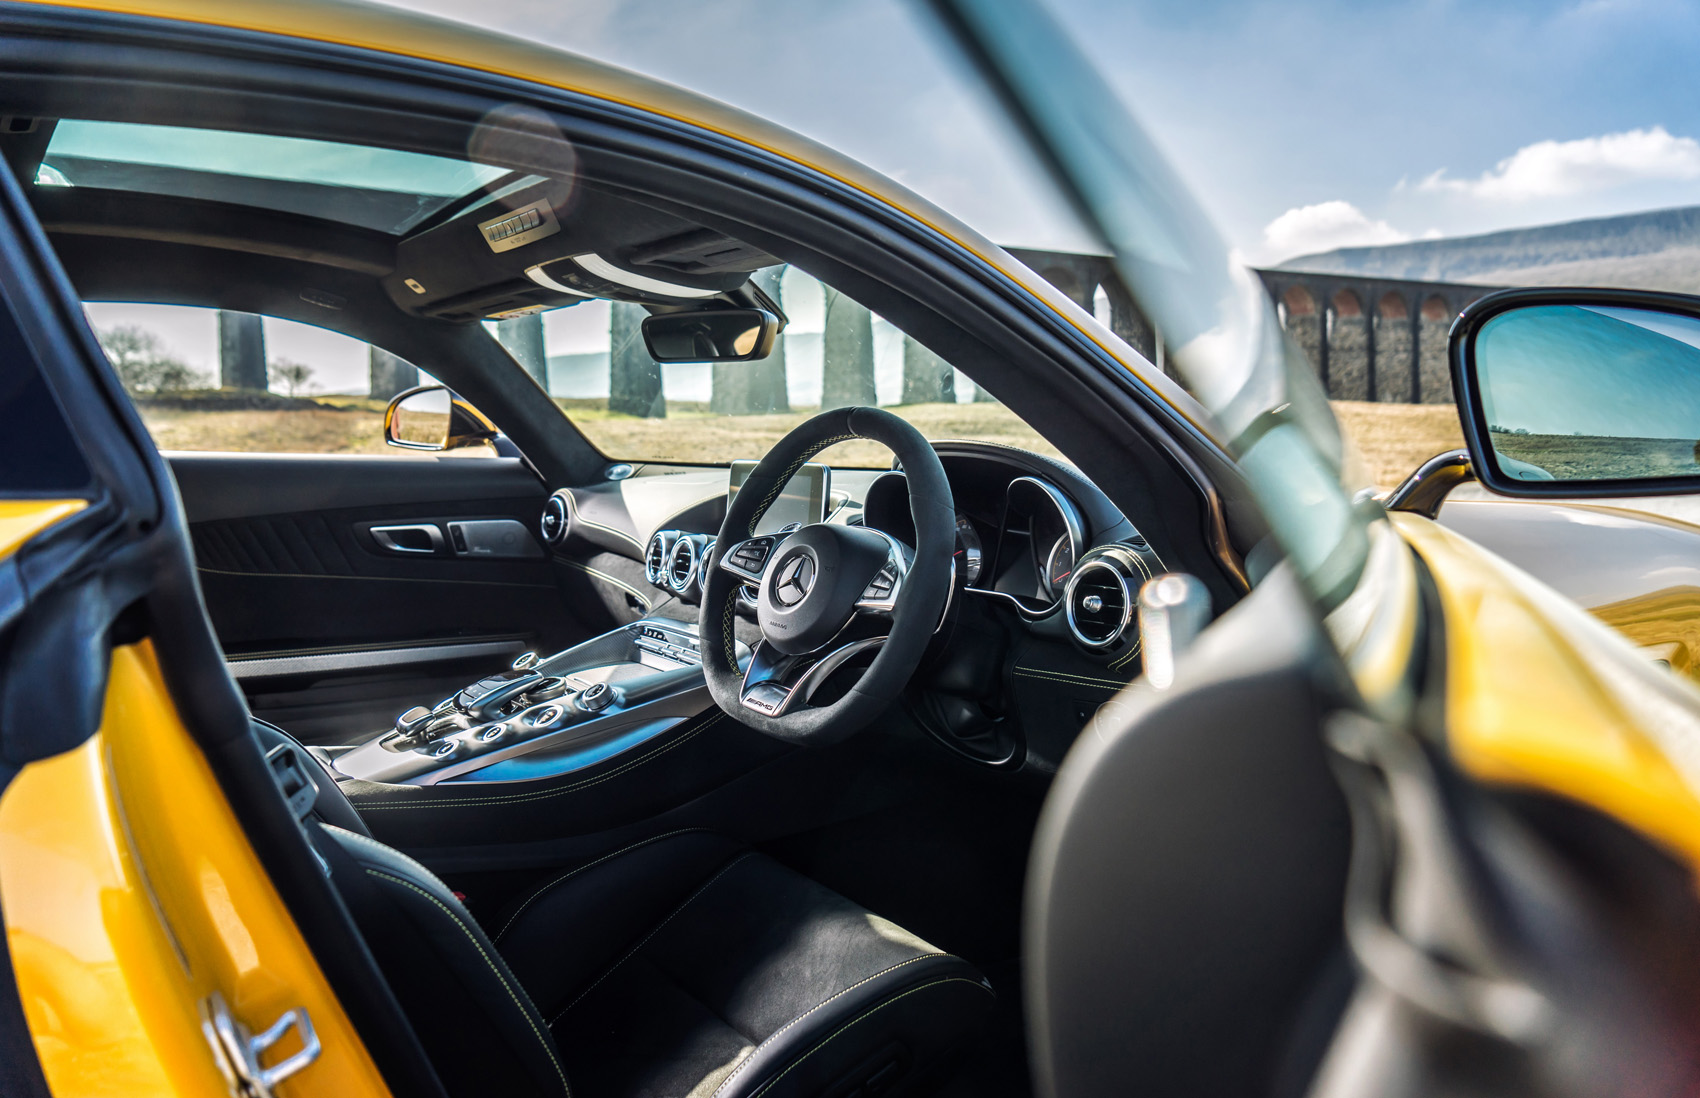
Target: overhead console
[{"x": 542, "y": 243}]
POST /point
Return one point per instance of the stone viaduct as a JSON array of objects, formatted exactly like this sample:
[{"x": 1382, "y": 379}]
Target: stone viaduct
[{"x": 1380, "y": 339}]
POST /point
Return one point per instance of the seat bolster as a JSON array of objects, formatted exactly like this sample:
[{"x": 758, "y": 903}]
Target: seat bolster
[
  {"x": 439, "y": 963},
  {"x": 560, "y": 936},
  {"x": 929, "y": 1002}
]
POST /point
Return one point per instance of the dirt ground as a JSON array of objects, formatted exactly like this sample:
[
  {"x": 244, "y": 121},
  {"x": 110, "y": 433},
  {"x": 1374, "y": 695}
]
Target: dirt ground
[{"x": 1392, "y": 439}]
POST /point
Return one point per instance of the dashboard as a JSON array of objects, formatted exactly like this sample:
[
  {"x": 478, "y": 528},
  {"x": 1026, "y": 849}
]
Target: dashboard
[
  {"x": 1033, "y": 537},
  {"x": 1042, "y": 627}
]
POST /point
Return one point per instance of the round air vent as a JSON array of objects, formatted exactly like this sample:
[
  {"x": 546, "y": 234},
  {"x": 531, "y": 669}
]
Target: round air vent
[
  {"x": 556, "y": 521},
  {"x": 1099, "y": 600},
  {"x": 656, "y": 556},
  {"x": 682, "y": 565}
]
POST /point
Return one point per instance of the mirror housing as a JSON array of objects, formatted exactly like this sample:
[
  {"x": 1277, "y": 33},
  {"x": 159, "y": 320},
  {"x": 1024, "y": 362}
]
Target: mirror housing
[
  {"x": 1580, "y": 392},
  {"x": 711, "y": 335},
  {"x": 430, "y": 417}
]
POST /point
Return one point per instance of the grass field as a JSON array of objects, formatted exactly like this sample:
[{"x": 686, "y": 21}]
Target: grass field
[{"x": 1391, "y": 439}]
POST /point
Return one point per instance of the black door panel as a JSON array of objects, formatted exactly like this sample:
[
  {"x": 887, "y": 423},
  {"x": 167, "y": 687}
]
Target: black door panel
[{"x": 333, "y": 629}]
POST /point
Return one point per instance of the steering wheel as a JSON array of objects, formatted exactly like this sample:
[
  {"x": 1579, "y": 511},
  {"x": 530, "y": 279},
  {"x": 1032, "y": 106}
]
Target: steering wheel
[{"x": 826, "y": 594}]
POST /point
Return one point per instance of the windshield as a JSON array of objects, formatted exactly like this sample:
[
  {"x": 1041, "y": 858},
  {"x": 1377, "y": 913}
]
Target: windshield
[{"x": 833, "y": 352}]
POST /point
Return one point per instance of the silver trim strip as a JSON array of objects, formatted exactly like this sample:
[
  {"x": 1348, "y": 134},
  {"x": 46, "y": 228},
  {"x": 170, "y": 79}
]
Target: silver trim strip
[{"x": 267, "y": 667}]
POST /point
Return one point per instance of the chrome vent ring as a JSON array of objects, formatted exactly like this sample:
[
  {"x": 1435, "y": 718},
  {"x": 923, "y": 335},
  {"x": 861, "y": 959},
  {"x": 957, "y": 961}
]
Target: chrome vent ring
[
  {"x": 556, "y": 522},
  {"x": 657, "y": 555},
  {"x": 682, "y": 565},
  {"x": 1099, "y": 601}
]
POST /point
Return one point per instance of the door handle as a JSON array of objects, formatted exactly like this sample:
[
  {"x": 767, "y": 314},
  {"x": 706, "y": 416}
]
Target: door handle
[{"x": 413, "y": 537}]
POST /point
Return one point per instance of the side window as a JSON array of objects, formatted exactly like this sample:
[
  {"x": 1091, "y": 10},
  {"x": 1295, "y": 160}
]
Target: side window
[
  {"x": 834, "y": 352},
  {"x": 209, "y": 379}
]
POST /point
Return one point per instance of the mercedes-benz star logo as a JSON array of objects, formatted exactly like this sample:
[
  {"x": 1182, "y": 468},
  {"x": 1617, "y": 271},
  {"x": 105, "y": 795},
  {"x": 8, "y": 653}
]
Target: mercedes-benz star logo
[{"x": 796, "y": 577}]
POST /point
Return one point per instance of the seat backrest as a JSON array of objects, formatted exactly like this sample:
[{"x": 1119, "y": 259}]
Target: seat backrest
[
  {"x": 1185, "y": 889},
  {"x": 481, "y": 1030}
]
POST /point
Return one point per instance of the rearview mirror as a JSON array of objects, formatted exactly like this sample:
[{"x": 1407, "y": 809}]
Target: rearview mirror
[
  {"x": 432, "y": 418},
  {"x": 711, "y": 335},
  {"x": 1581, "y": 392}
]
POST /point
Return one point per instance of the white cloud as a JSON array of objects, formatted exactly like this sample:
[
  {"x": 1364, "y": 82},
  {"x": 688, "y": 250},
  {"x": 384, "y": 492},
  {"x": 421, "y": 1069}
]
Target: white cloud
[
  {"x": 1550, "y": 169},
  {"x": 1324, "y": 226}
]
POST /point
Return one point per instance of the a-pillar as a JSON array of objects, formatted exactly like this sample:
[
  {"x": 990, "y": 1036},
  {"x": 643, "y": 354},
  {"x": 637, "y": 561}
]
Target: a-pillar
[{"x": 241, "y": 350}]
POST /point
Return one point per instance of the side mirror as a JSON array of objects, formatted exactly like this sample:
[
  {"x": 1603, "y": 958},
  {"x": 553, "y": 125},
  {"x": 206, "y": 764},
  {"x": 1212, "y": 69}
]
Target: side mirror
[
  {"x": 1580, "y": 392},
  {"x": 432, "y": 418},
  {"x": 711, "y": 335}
]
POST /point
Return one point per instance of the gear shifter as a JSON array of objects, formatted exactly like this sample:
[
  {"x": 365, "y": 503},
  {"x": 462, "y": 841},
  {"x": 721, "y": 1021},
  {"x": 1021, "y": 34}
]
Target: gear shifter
[{"x": 419, "y": 726}]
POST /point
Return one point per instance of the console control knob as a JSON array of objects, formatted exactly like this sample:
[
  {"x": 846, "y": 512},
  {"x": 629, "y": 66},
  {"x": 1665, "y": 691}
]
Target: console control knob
[
  {"x": 596, "y": 698},
  {"x": 525, "y": 661},
  {"x": 491, "y": 733},
  {"x": 552, "y": 687}
]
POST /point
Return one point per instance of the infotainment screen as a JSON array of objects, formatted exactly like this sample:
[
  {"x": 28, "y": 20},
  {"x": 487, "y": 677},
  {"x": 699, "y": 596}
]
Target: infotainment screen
[{"x": 803, "y": 500}]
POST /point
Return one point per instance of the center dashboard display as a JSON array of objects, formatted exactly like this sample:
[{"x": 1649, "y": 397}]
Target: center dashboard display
[{"x": 803, "y": 501}]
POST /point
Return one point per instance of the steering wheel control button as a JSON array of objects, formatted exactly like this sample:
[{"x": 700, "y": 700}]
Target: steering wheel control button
[
  {"x": 750, "y": 557},
  {"x": 598, "y": 697}
]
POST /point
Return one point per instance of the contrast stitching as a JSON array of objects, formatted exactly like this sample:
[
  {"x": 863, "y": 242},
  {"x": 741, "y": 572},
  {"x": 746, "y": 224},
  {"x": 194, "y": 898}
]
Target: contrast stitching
[
  {"x": 819, "y": 1006},
  {"x": 1128, "y": 656},
  {"x": 520, "y": 1006},
  {"x": 771, "y": 1083},
  {"x": 572, "y": 506},
  {"x": 726, "y": 630},
  {"x": 543, "y": 794},
  {"x": 1045, "y": 671},
  {"x": 1069, "y": 682},
  {"x": 727, "y": 868},
  {"x": 785, "y": 477},
  {"x": 563, "y": 878}
]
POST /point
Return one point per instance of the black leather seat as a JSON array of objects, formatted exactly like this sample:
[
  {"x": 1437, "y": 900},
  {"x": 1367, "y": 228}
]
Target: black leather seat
[{"x": 683, "y": 965}]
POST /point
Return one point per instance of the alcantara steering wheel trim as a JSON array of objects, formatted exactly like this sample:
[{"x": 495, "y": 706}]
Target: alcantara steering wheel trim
[{"x": 916, "y": 608}]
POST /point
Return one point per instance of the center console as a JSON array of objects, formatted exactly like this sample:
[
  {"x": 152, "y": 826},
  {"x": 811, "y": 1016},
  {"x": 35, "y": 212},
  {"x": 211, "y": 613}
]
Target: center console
[{"x": 546, "y": 717}]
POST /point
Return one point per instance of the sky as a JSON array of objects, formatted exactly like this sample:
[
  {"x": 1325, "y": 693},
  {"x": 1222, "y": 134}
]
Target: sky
[{"x": 1303, "y": 124}]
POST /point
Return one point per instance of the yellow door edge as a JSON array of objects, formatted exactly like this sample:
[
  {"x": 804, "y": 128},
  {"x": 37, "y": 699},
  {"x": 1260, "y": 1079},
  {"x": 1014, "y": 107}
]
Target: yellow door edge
[
  {"x": 131, "y": 897},
  {"x": 23, "y": 519},
  {"x": 1542, "y": 695}
]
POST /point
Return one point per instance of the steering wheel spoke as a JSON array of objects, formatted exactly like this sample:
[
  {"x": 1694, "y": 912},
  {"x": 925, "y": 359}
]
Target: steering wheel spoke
[{"x": 776, "y": 684}]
